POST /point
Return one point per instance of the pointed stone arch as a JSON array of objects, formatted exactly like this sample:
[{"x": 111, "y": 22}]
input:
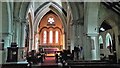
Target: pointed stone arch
[
  {"x": 108, "y": 39},
  {"x": 51, "y": 6},
  {"x": 110, "y": 19},
  {"x": 45, "y": 9},
  {"x": 74, "y": 10},
  {"x": 114, "y": 32}
]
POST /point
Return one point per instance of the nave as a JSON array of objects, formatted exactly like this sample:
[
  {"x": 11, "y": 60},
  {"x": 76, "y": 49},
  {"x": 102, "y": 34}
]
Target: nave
[
  {"x": 63, "y": 60},
  {"x": 70, "y": 64},
  {"x": 53, "y": 33}
]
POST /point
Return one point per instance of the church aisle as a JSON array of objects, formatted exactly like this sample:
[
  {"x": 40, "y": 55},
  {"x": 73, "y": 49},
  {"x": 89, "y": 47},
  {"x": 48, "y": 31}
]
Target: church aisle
[{"x": 49, "y": 62}]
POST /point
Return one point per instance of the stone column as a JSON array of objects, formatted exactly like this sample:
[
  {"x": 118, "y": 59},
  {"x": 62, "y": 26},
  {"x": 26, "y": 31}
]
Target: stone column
[
  {"x": 18, "y": 38},
  {"x": 73, "y": 39},
  {"x": 21, "y": 39},
  {"x": 64, "y": 41},
  {"x": 86, "y": 47},
  {"x": 74, "y": 33},
  {"x": 80, "y": 35},
  {"x": 30, "y": 42},
  {"x": 14, "y": 29},
  {"x": 18, "y": 31},
  {"x": 29, "y": 30},
  {"x": 33, "y": 37},
  {"x": 77, "y": 33},
  {"x": 91, "y": 26},
  {"x": 23, "y": 27},
  {"x": 95, "y": 47},
  {"x": 1, "y": 52},
  {"x": 6, "y": 29},
  {"x": 36, "y": 41}
]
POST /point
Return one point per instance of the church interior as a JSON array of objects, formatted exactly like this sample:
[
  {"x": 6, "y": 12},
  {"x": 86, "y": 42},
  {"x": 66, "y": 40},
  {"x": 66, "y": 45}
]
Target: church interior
[{"x": 57, "y": 34}]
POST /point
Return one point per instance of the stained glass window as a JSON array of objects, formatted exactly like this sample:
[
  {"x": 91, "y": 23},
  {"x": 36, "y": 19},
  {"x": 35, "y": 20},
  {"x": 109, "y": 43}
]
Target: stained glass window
[
  {"x": 56, "y": 34},
  {"x": 51, "y": 37},
  {"x": 44, "y": 36}
]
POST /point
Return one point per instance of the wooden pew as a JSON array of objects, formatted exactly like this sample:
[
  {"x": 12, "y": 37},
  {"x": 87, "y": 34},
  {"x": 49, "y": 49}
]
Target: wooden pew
[
  {"x": 15, "y": 65},
  {"x": 92, "y": 64}
]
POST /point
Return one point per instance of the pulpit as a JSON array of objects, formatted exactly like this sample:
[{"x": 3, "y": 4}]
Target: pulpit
[{"x": 12, "y": 54}]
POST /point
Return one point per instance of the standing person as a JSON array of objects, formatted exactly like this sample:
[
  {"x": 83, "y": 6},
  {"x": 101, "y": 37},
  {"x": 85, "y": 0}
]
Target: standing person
[
  {"x": 75, "y": 56},
  {"x": 42, "y": 55},
  {"x": 81, "y": 52},
  {"x": 61, "y": 56},
  {"x": 39, "y": 57},
  {"x": 29, "y": 60},
  {"x": 56, "y": 57},
  {"x": 76, "y": 52}
]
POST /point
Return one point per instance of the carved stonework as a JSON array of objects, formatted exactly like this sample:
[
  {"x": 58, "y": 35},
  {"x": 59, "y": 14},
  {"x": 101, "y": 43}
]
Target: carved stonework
[
  {"x": 78, "y": 22},
  {"x": 51, "y": 22}
]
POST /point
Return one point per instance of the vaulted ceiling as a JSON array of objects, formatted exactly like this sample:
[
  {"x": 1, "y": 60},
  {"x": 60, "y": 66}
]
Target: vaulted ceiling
[
  {"x": 20, "y": 8},
  {"x": 114, "y": 6}
]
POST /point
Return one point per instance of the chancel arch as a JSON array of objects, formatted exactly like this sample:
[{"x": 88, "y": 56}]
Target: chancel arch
[
  {"x": 51, "y": 33},
  {"x": 56, "y": 10}
]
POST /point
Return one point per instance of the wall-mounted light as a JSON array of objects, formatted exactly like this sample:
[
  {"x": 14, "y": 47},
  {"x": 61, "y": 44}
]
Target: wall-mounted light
[{"x": 78, "y": 37}]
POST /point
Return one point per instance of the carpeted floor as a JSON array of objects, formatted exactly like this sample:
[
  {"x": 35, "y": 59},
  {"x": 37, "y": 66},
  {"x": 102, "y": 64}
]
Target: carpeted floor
[{"x": 49, "y": 61}]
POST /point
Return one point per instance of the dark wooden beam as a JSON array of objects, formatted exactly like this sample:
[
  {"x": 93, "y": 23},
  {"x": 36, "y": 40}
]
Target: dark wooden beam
[{"x": 112, "y": 6}]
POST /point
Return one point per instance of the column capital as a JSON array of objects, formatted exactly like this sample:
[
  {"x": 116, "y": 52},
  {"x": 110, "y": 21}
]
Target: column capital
[
  {"x": 23, "y": 20},
  {"x": 77, "y": 22},
  {"x": 80, "y": 21},
  {"x": 36, "y": 32},
  {"x": 73, "y": 22},
  {"x": 19, "y": 20},
  {"x": 16, "y": 19},
  {"x": 92, "y": 34}
]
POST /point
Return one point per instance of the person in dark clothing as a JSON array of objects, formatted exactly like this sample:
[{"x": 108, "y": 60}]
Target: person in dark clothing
[
  {"x": 61, "y": 56},
  {"x": 38, "y": 57},
  {"x": 29, "y": 57},
  {"x": 72, "y": 55},
  {"x": 76, "y": 50},
  {"x": 29, "y": 60},
  {"x": 64, "y": 55},
  {"x": 56, "y": 57}
]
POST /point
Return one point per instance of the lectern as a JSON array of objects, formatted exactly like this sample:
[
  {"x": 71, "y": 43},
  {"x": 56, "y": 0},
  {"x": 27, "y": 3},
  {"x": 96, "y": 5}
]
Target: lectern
[{"x": 12, "y": 54}]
